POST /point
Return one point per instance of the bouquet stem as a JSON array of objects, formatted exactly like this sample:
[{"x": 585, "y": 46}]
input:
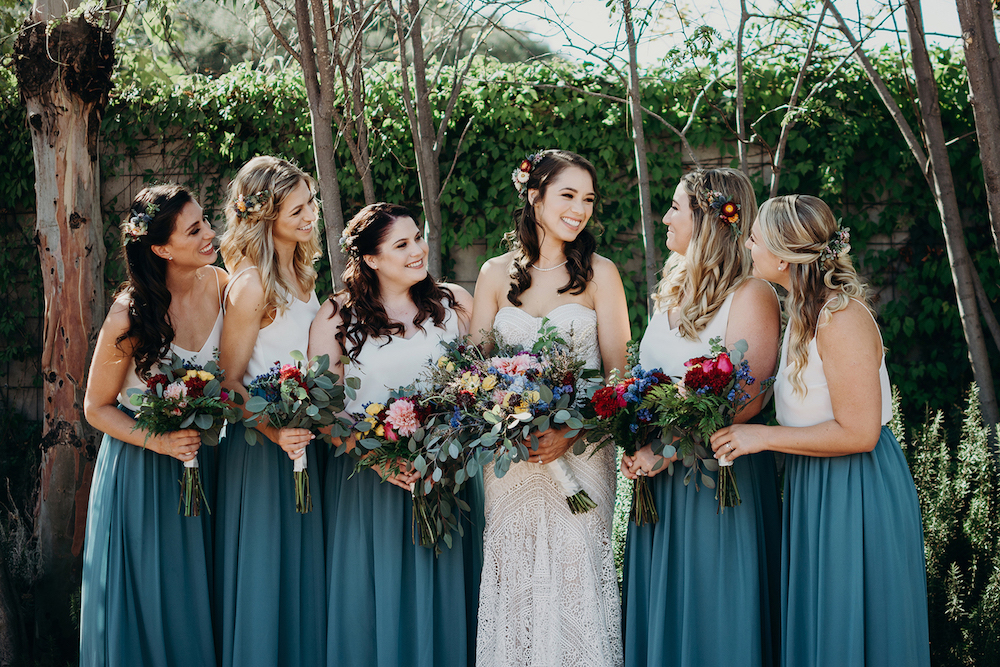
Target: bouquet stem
[
  {"x": 424, "y": 526},
  {"x": 303, "y": 498},
  {"x": 192, "y": 491},
  {"x": 726, "y": 491},
  {"x": 643, "y": 507},
  {"x": 576, "y": 496}
]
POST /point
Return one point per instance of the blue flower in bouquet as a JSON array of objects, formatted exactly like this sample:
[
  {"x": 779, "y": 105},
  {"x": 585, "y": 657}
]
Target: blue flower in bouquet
[{"x": 645, "y": 415}]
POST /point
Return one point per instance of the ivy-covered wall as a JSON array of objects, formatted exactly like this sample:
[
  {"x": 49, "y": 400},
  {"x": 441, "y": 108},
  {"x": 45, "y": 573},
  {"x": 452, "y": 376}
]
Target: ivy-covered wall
[{"x": 846, "y": 150}]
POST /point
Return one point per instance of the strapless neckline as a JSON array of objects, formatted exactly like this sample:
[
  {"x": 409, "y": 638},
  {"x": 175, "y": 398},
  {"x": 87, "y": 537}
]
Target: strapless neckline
[{"x": 549, "y": 314}]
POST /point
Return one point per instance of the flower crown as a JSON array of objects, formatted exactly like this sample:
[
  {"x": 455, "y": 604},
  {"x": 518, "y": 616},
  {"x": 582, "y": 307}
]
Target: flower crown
[
  {"x": 521, "y": 175},
  {"x": 347, "y": 243},
  {"x": 838, "y": 246},
  {"x": 138, "y": 224},
  {"x": 244, "y": 206},
  {"x": 727, "y": 210}
]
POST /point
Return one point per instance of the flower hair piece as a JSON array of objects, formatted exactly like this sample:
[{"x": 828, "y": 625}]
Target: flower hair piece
[
  {"x": 138, "y": 224},
  {"x": 347, "y": 243},
  {"x": 244, "y": 206},
  {"x": 838, "y": 246},
  {"x": 727, "y": 210},
  {"x": 521, "y": 175}
]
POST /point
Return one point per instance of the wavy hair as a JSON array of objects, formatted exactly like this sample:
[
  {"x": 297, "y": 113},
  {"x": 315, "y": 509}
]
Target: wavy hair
[
  {"x": 149, "y": 324},
  {"x": 363, "y": 316},
  {"x": 523, "y": 239},
  {"x": 797, "y": 228},
  {"x": 250, "y": 237},
  {"x": 716, "y": 261}
]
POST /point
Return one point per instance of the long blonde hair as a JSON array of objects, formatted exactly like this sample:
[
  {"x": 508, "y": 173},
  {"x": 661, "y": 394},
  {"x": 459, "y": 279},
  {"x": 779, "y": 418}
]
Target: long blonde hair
[
  {"x": 250, "y": 237},
  {"x": 797, "y": 229},
  {"x": 716, "y": 261}
]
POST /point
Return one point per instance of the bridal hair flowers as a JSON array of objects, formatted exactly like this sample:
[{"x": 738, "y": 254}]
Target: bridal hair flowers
[
  {"x": 727, "y": 210},
  {"x": 521, "y": 175},
  {"x": 838, "y": 246},
  {"x": 347, "y": 242},
  {"x": 244, "y": 206},
  {"x": 138, "y": 223}
]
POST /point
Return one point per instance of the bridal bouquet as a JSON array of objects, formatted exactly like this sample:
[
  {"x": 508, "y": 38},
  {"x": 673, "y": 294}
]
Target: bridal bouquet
[
  {"x": 498, "y": 402},
  {"x": 712, "y": 392},
  {"x": 622, "y": 414},
  {"x": 405, "y": 430},
  {"x": 185, "y": 395},
  {"x": 294, "y": 396}
]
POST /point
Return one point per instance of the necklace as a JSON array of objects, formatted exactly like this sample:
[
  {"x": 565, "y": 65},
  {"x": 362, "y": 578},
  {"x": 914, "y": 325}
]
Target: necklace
[{"x": 551, "y": 268}]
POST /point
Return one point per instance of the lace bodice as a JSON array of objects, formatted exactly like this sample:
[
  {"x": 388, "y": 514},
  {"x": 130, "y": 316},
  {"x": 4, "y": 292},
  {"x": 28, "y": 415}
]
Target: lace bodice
[{"x": 549, "y": 593}]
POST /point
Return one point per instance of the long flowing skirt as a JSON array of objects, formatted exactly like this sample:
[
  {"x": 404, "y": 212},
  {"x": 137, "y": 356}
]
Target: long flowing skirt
[
  {"x": 270, "y": 608},
  {"x": 854, "y": 589},
  {"x": 394, "y": 603},
  {"x": 147, "y": 573},
  {"x": 700, "y": 588}
]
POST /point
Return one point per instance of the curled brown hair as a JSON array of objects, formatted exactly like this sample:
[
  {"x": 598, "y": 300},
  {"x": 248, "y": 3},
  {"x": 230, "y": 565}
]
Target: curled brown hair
[
  {"x": 524, "y": 241},
  {"x": 149, "y": 324},
  {"x": 363, "y": 316}
]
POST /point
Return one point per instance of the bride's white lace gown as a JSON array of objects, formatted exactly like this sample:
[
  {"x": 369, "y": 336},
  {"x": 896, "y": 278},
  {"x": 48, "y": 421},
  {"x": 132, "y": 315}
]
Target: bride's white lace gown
[{"x": 549, "y": 592}]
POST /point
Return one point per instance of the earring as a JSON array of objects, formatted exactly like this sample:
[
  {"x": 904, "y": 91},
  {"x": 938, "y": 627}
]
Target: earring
[{"x": 170, "y": 258}]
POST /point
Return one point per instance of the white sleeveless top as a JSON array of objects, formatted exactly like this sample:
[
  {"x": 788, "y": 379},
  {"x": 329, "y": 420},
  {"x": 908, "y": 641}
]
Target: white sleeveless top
[
  {"x": 201, "y": 357},
  {"x": 816, "y": 407},
  {"x": 288, "y": 331},
  {"x": 390, "y": 362},
  {"x": 665, "y": 348}
]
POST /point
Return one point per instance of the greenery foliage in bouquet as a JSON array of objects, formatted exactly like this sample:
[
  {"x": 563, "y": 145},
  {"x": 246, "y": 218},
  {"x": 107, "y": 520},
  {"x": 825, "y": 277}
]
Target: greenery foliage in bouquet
[
  {"x": 299, "y": 396},
  {"x": 622, "y": 414},
  {"x": 406, "y": 430},
  {"x": 185, "y": 395},
  {"x": 712, "y": 392},
  {"x": 499, "y": 402}
]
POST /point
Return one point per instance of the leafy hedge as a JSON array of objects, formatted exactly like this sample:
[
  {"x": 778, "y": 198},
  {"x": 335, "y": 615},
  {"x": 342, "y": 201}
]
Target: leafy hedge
[{"x": 846, "y": 150}]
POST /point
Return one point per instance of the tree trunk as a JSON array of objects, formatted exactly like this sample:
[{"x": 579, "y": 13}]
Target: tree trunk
[
  {"x": 65, "y": 78},
  {"x": 741, "y": 121},
  {"x": 982, "y": 59},
  {"x": 642, "y": 170},
  {"x": 944, "y": 193}
]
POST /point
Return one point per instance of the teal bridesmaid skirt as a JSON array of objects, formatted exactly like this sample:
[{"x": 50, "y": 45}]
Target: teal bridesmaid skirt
[
  {"x": 147, "y": 572},
  {"x": 854, "y": 588},
  {"x": 270, "y": 608},
  {"x": 700, "y": 588},
  {"x": 392, "y": 602}
]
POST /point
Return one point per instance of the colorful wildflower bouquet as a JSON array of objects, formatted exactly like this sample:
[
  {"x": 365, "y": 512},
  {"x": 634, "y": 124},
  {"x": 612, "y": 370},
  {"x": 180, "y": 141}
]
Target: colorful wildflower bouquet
[
  {"x": 622, "y": 414},
  {"x": 185, "y": 395},
  {"x": 498, "y": 402},
  {"x": 407, "y": 429},
  {"x": 713, "y": 391},
  {"x": 294, "y": 396}
]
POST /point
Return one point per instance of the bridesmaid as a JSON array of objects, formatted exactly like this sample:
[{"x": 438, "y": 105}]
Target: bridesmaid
[
  {"x": 392, "y": 602},
  {"x": 270, "y": 608},
  {"x": 698, "y": 584},
  {"x": 853, "y": 586},
  {"x": 146, "y": 568}
]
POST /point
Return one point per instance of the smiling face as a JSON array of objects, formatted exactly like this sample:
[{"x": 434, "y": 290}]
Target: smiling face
[
  {"x": 679, "y": 221},
  {"x": 401, "y": 258},
  {"x": 567, "y": 205},
  {"x": 297, "y": 217},
  {"x": 190, "y": 244}
]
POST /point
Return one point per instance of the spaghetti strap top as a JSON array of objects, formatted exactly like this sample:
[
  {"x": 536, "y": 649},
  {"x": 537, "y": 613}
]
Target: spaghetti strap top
[
  {"x": 208, "y": 351},
  {"x": 665, "y": 348},
  {"x": 288, "y": 331},
  {"x": 816, "y": 406}
]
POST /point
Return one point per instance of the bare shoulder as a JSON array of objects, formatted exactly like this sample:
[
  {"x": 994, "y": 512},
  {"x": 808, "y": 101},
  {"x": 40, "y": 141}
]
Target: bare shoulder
[
  {"x": 604, "y": 269},
  {"x": 330, "y": 311},
  {"x": 755, "y": 293},
  {"x": 853, "y": 327},
  {"x": 117, "y": 321},
  {"x": 462, "y": 296},
  {"x": 222, "y": 276},
  {"x": 247, "y": 288},
  {"x": 497, "y": 268}
]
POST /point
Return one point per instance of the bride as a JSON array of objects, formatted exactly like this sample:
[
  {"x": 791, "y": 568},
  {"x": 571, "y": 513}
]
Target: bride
[{"x": 549, "y": 593}]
